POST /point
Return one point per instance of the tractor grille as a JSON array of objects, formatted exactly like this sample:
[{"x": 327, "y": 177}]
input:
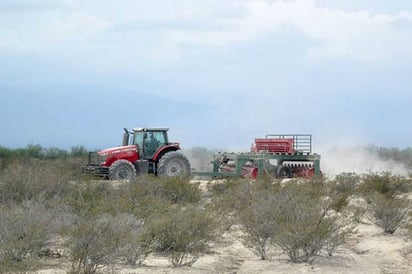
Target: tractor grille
[{"x": 94, "y": 159}]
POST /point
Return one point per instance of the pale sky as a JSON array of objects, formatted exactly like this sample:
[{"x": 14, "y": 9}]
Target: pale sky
[{"x": 217, "y": 73}]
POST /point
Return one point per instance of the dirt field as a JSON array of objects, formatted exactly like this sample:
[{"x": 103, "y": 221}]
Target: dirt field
[{"x": 370, "y": 250}]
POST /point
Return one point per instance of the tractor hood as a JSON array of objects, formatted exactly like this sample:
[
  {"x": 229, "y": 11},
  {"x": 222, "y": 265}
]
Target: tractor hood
[{"x": 115, "y": 150}]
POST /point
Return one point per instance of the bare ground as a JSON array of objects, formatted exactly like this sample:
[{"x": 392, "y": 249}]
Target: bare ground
[{"x": 370, "y": 251}]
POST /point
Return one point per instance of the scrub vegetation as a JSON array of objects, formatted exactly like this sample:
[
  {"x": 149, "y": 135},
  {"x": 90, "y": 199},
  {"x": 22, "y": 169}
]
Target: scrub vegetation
[{"x": 49, "y": 211}]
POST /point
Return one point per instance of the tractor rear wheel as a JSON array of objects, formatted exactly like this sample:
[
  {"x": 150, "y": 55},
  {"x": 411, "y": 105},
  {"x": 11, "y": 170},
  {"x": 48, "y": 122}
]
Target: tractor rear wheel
[
  {"x": 173, "y": 164},
  {"x": 122, "y": 170}
]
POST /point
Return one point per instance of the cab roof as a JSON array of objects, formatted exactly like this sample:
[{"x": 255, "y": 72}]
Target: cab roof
[{"x": 150, "y": 129}]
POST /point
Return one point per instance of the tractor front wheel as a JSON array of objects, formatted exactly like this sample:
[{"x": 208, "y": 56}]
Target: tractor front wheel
[
  {"x": 122, "y": 170},
  {"x": 173, "y": 164}
]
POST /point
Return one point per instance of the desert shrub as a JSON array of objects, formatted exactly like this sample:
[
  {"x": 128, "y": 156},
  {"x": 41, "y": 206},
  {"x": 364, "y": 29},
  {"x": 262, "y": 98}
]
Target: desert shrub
[
  {"x": 347, "y": 182},
  {"x": 229, "y": 197},
  {"x": 297, "y": 217},
  {"x": 341, "y": 189},
  {"x": 24, "y": 234},
  {"x": 179, "y": 190},
  {"x": 184, "y": 234},
  {"x": 385, "y": 183},
  {"x": 135, "y": 245},
  {"x": 5, "y": 152},
  {"x": 141, "y": 198},
  {"x": 225, "y": 190},
  {"x": 102, "y": 240},
  {"x": 259, "y": 222},
  {"x": 72, "y": 167},
  {"x": 149, "y": 195},
  {"x": 408, "y": 223},
  {"x": 389, "y": 212},
  {"x": 136, "y": 250},
  {"x": 175, "y": 189},
  {"x": 29, "y": 179},
  {"x": 90, "y": 198},
  {"x": 305, "y": 224}
]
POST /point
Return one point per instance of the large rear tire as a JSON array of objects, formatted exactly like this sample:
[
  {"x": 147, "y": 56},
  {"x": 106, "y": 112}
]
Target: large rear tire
[
  {"x": 122, "y": 170},
  {"x": 173, "y": 164}
]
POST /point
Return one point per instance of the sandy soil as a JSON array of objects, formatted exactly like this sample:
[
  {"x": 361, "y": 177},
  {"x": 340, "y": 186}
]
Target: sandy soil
[{"x": 370, "y": 251}]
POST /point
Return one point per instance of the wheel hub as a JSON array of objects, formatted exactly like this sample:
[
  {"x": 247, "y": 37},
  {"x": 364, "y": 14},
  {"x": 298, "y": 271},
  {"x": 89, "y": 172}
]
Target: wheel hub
[
  {"x": 175, "y": 168},
  {"x": 123, "y": 174}
]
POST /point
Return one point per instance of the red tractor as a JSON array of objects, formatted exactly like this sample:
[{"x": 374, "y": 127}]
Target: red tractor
[{"x": 144, "y": 150}]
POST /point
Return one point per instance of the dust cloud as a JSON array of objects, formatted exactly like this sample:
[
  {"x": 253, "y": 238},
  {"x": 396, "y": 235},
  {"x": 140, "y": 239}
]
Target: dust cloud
[
  {"x": 200, "y": 158},
  {"x": 335, "y": 159},
  {"x": 356, "y": 159}
]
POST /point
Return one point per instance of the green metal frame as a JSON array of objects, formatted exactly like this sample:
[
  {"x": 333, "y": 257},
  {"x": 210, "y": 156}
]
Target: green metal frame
[{"x": 240, "y": 159}]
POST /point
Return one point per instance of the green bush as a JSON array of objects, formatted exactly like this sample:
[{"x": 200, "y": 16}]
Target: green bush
[
  {"x": 184, "y": 234},
  {"x": 143, "y": 197},
  {"x": 24, "y": 233},
  {"x": 32, "y": 178},
  {"x": 297, "y": 217},
  {"x": 103, "y": 240},
  {"x": 407, "y": 224},
  {"x": 385, "y": 183},
  {"x": 305, "y": 223},
  {"x": 343, "y": 187},
  {"x": 90, "y": 198},
  {"x": 149, "y": 195},
  {"x": 175, "y": 189},
  {"x": 229, "y": 197},
  {"x": 389, "y": 212},
  {"x": 347, "y": 183},
  {"x": 259, "y": 222},
  {"x": 180, "y": 190}
]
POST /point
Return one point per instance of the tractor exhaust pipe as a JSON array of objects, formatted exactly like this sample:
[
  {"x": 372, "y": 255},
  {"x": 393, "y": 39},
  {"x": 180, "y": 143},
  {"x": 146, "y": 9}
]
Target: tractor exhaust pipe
[{"x": 125, "y": 137}]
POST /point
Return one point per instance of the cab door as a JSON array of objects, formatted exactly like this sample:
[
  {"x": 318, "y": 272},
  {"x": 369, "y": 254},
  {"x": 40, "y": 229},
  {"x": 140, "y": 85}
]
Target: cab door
[{"x": 138, "y": 141}]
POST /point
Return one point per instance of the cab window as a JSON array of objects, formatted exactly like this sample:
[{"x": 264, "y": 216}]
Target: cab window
[
  {"x": 160, "y": 137},
  {"x": 138, "y": 138}
]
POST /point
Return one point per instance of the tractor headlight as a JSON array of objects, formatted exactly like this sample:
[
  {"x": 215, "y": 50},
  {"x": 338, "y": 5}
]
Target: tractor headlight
[{"x": 102, "y": 159}]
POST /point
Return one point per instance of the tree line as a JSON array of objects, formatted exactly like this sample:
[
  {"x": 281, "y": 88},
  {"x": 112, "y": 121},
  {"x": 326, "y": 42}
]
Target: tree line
[
  {"x": 36, "y": 151},
  {"x": 403, "y": 156}
]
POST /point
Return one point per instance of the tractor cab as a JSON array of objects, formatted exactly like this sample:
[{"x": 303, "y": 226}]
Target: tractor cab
[{"x": 148, "y": 140}]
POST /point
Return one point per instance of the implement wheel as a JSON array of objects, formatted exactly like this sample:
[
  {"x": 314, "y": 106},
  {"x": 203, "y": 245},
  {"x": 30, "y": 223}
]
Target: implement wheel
[
  {"x": 283, "y": 172},
  {"x": 173, "y": 164}
]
